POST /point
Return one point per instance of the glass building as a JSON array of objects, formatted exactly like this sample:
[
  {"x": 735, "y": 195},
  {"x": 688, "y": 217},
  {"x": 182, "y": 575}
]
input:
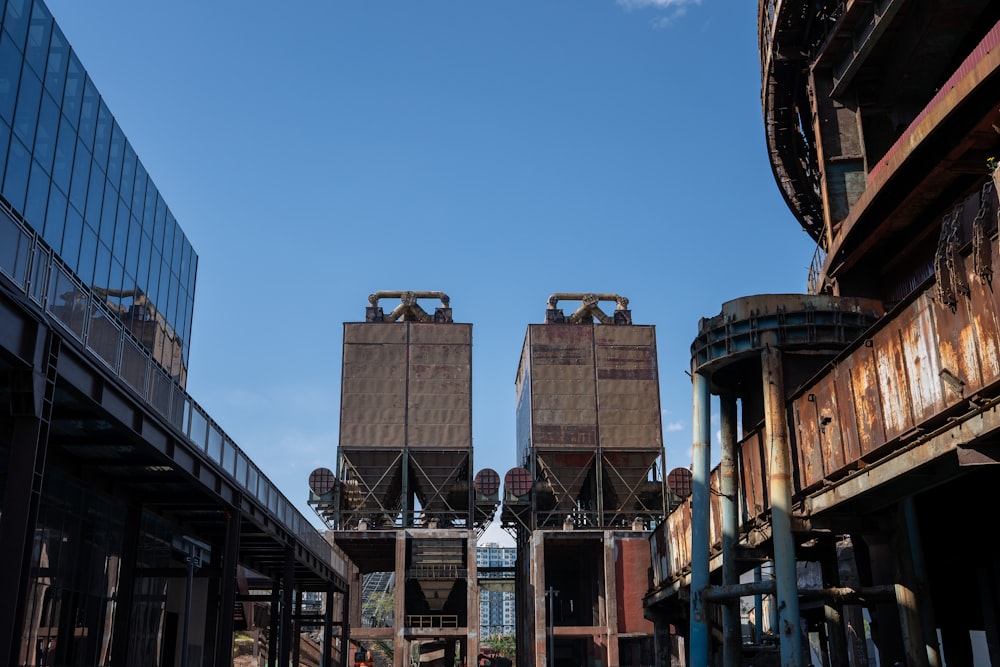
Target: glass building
[
  {"x": 70, "y": 175},
  {"x": 126, "y": 512},
  {"x": 496, "y": 607}
]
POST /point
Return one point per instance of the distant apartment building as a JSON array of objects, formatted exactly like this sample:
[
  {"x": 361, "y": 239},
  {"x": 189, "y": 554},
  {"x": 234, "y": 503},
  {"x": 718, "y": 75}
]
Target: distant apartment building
[{"x": 496, "y": 603}]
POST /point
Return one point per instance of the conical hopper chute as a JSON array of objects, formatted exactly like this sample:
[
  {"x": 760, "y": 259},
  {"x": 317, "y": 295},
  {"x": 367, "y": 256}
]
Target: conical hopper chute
[
  {"x": 440, "y": 482},
  {"x": 371, "y": 487},
  {"x": 633, "y": 487}
]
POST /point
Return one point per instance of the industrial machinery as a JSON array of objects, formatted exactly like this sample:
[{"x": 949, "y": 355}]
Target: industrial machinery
[{"x": 590, "y": 483}]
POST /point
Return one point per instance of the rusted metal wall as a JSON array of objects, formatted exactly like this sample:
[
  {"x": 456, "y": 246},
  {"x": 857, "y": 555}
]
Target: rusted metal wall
[
  {"x": 590, "y": 386},
  {"x": 925, "y": 361},
  {"x": 406, "y": 384},
  {"x": 921, "y": 365},
  {"x": 631, "y": 574}
]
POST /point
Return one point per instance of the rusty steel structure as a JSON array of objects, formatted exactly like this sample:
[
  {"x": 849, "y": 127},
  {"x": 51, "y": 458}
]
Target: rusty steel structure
[
  {"x": 860, "y": 421},
  {"x": 589, "y": 486},
  {"x": 403, "y": 500}
]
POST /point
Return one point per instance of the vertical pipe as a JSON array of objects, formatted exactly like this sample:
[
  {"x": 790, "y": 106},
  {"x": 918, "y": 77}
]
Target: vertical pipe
[
  {"x": 731, "y": 634},
  {"x": 701, "y": 454},
  {"x": 780, "y": 494},
  {"x": 923, "y": 587},
  {"x": 758, "y": 608}
]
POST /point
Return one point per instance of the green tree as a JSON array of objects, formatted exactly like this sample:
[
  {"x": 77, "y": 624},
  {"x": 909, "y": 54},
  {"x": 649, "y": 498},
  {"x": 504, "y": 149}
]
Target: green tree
[{"x": 504, "y": 645}]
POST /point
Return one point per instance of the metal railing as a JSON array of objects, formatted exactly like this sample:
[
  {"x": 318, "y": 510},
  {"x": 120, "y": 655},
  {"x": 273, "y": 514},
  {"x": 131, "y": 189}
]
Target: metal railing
[{"x": 42, "y": 276}]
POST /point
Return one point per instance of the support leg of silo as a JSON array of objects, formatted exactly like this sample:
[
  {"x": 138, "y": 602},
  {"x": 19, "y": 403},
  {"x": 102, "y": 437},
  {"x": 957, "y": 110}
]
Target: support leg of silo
[
  {"x": 731, "y": 628},
  {"x": 780, "y": 494},
  {"x": 400, "y": 656},
  {"x": 701, "y": 455}
]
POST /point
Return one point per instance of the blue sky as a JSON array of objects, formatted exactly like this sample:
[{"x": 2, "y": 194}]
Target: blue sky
[{"x": 315, "y": 152}]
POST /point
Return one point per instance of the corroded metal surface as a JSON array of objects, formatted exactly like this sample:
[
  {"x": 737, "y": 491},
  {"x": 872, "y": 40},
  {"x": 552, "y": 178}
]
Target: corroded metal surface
[
  {"x": 406, "y": 384},
  {"x": 796, "y": 321},
  {"x": 590, "y": 385}
]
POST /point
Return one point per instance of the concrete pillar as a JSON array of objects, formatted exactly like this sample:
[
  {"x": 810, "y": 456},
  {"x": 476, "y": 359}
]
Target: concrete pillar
[
  {"x": 701, "y": 459},
  {"x": 780, "y": 494}
]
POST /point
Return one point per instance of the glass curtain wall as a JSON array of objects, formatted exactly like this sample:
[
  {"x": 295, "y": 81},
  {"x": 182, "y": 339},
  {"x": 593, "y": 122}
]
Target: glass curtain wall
[{"x": 68, "y": 171}]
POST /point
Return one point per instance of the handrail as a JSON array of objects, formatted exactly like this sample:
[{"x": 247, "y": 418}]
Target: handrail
[{"x": 126, "y": 357}]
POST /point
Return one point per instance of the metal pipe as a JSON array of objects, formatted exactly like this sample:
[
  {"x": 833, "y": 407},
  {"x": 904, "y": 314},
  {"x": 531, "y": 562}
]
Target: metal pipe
[
  {"x": 841, "y": 594},
  {"x": 780, "y": 494},
  {"x": 701, "y": 459},
  {"x": 621, "y": 302},
  {"x": 731, "y": 627},
  {"x": 407, "y": 297},
  {"x": 758, "y": 607}
]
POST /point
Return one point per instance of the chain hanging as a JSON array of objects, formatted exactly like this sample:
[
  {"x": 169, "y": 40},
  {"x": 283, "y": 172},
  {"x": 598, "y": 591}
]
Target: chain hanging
[{"x": 981, "y": 250}]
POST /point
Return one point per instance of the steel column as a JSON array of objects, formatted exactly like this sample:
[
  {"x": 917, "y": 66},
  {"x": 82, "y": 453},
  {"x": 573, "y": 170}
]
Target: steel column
[
  {"x": 701, "y": 458},
  {"x": 611, "y": 597},
  {"x": 780, "y": 494},
  {"x": 227, "y": 599},
  {"x": 731, "y": 628},
  {"x": 472, "y": 620},
  {"x": 31, "y": 408},
  {"x": 923, "y": 587},
  {"x": 287, "y": 610},
  {"x": 274, "y": 628},
  {"x": 122, "y": 623},
  {"x": 345, "y": 627},
  {"x": 400, "y": 655}
]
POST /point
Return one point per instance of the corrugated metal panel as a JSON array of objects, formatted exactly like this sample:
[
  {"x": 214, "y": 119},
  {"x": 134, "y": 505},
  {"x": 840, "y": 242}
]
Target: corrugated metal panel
[
  {"x": 807, "y": 440},
  {"x": 893, "y": 389},
  {"x": 383, "y": 332},
  {"x": 754, "y": 469},
  {"x": 987, "y": 333},
  {"x": 440, "y": 334},
  {"x": 407, "y": 384},
  {"x": 679, "y": 538},
  {"x": 922, "y": 364},
  {"x": 865, "y": 400},
  {"x": 636, "y": 334},
  {"x": 845, "y": 417}
]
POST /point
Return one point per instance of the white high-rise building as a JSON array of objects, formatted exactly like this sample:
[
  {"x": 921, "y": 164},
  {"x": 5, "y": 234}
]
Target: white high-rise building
[{"x": 496, "y": 608}]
